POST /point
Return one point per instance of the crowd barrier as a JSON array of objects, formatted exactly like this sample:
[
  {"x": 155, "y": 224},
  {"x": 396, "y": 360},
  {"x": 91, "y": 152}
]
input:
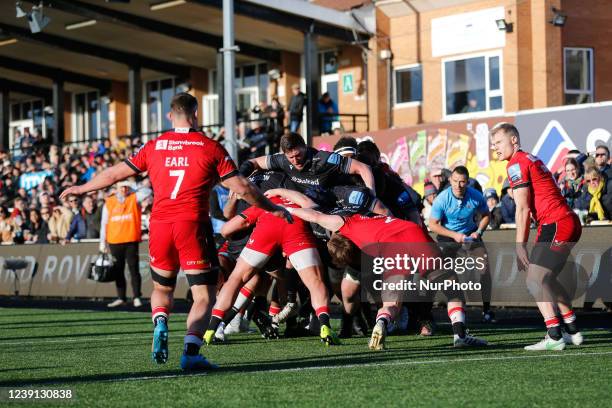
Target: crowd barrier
[{"x": 61, "y": 270}]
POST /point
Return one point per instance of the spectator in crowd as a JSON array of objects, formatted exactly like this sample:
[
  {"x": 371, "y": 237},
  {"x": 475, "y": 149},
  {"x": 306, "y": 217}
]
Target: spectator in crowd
[
  {"x": 7, "y": 226},
  {"x": 494, "y": 208},
  {"x": 120, "y": 232},
  {"x": 602, "y": 159},
  {"x": 257, "y": 138},
  {"x": 37, "y": 228},
  {"x": 17, "y": 141},
  {"x": 472, "y": 105},
  {"x": 596, "y": 196},
  {"x": 86, "y": 222},
  {"x": 437, "y": 179},
  {"x": 572, "y": 183},
  {"x": 429, "y": 195},
  {"x": 296, "y": 108},
  {"x": 276, "y": 123},
  {"x": 507, "y": 204},
  {"x": 59, "y": 224},
  {"x": 327, "y": 113},
  {"x": 144, "y": 190}
]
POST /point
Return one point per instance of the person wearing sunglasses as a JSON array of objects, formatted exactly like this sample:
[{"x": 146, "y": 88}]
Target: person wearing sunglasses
[
  {"x": 602, "y": 160},
  {"x": 596, "y": 196}
]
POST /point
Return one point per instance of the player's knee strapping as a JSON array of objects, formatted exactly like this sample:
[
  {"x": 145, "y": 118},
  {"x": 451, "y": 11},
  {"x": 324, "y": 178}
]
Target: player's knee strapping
[
  {"x": 162, "y": 280},
  {"x": 209, "y": 277}
]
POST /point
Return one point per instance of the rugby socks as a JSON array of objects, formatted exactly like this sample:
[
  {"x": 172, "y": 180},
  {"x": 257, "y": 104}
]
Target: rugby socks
[
  {"x": 383, "y": 317},
  {"x": 292, "y": 285},
  {"x": 215, "y": 319},
  {"x": 273, "y": 310},
  {"x": 457, "y": 318},
  {"x": 553, "y": 327},
  {"x": 323, "y": 315},
  {"x": 569, "y": 319},
  {"x": 244, "y": 298},
  {"x": 159, "y": 314},
  {"x": 193, "y": 342}
]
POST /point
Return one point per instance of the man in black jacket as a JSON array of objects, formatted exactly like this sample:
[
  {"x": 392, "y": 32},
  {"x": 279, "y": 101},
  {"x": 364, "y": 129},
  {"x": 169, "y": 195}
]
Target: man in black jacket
[{"x": 296, "y": 108}]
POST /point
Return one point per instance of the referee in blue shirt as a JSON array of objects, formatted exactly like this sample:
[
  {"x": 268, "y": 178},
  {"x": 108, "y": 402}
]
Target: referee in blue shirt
[{"x": 452, "y": 218}]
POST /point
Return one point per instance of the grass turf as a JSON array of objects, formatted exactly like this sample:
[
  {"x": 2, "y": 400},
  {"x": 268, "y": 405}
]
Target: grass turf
[{"x": 104, "y": 357}]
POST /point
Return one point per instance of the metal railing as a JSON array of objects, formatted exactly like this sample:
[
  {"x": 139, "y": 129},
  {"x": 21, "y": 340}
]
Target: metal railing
[{"x": 348, "y": 122}]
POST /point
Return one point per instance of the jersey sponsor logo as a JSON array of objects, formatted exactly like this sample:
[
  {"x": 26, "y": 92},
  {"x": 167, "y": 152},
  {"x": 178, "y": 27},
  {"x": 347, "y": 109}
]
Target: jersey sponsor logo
[
  {"x": 181, "y": 130},
  {"x": 251, "y": 241},
  {"x": 161, "y": 145},
  {"x": 333, "y": 158},
  {"x": 197, "y": 262},
  {"x": 299, "y": 180},
  {"x": 514, "y": 173}
]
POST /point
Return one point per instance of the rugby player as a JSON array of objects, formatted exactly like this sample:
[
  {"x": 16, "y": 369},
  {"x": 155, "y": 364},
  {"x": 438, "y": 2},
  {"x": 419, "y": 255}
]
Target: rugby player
[
  {"x": 364, "y": 231},
  {"x": 183, "y": 165},
  {"x": 268, "y": 237},
  {"x": 314, "y": 172},
  {"x": 537, "y": 195}
]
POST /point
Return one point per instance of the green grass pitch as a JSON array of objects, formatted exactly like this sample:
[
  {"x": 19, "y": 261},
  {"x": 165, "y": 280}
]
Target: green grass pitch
[{"x": 104, "y": 357}]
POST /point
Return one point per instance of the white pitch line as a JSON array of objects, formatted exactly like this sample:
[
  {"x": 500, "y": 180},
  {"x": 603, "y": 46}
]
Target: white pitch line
[
  {"x": 452, "y": 360},
  {"x": 84, "y": 339},
  {"x": 324, "y": 367}
]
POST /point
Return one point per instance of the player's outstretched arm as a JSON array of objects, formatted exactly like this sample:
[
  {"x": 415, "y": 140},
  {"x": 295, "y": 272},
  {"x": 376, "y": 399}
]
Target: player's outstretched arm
[
  {"x": 107, "y": 178},
  {"x": 329, "y": 222},
  {"x": 295, "y": 196},
  {"x": 249, "y": 193},
  {"x": 365, "y": 172}
]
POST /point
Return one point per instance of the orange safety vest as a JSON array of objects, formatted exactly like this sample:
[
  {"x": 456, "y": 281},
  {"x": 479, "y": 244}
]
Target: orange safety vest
[{"x": 123, "y": 220}]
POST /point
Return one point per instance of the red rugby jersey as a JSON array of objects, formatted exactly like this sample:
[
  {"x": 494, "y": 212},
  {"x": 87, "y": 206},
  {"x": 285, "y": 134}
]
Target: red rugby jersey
[
  {"x": 547, "y": 205},
  {"x": 183, "y": 165}
]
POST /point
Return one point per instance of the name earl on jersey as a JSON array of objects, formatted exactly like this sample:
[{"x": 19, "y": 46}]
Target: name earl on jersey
[{"x": 177, "y": 162}]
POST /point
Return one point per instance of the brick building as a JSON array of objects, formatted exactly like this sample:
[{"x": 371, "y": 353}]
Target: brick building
[{"x": 111, "y": 67}]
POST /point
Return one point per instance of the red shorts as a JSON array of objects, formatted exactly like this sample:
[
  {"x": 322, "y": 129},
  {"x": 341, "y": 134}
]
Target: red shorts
[
  {"x": 555, "y": 241},
  {"x": 565, "y": 231},
  {"x": 272, "y": 234},
  {"x": 180, "y": 244}
]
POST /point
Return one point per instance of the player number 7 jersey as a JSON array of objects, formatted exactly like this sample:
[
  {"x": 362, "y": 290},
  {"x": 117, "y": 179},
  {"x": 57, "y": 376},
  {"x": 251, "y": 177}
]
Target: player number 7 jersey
[{"x": 183, "y": 166}]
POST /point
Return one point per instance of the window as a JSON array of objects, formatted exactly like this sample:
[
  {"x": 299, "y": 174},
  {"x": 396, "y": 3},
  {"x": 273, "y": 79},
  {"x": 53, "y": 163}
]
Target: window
[
  {"x": 249, "y": 80},
  {"x": 473, "y": 85},
  {"x": 158, "y": 95},
  {"x": 329, "y": 62},
  {"x": 89, "y": 120},
  {"x": 578, "y": 73},
  {"x": 408, "y": 85}
]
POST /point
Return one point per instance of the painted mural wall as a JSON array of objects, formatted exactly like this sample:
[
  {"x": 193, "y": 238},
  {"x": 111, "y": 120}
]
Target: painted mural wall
[{"x": 415, "y": 152}]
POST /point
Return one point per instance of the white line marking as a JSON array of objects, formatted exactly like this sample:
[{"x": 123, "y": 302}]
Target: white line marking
[
  {"x": 418, "y": 362},
  {"x": 84, "y": 339},
  {"x": 325, "y": 367}
]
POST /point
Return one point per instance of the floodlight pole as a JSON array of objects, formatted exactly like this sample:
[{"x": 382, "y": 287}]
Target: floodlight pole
[{"x": 229, "y": 94}]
